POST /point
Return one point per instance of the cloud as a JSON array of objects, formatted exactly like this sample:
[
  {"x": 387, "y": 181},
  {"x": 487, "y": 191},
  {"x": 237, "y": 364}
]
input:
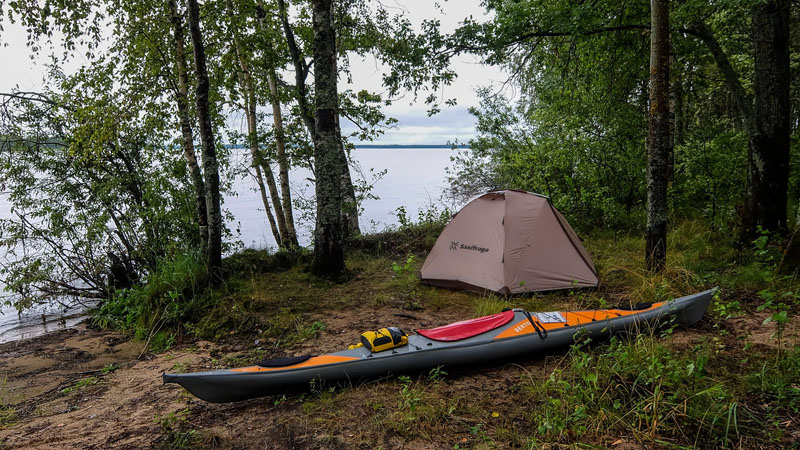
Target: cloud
[{"x": 415, "y": 128}]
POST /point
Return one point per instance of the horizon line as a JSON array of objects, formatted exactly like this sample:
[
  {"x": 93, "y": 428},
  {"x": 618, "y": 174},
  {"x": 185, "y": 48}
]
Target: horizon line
[{"x": 411, "y": 146}]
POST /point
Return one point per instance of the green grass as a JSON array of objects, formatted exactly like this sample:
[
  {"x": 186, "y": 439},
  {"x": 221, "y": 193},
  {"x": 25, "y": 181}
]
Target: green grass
[
  {"x": 175, "y": 430},
  {"x": 152, "y": 311},
  {"x": 636, "y": 387},
  {"x": 490, "y": 304},
  {"x": 777, "y": 381},
  {"x": 8, "y": 416},
  {"x": 80, "y": 384}
]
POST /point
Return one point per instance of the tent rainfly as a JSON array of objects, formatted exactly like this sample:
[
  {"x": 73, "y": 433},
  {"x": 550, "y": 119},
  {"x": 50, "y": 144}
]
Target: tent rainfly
[{"x": 509, "y": 242}]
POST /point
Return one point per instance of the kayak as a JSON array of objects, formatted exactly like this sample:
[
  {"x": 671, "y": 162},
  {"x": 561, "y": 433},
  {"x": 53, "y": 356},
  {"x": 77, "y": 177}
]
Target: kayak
[{"x": 507, "y": 334}]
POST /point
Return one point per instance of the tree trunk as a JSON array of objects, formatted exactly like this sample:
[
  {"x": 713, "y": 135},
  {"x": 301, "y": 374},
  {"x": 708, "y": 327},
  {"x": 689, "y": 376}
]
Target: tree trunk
[
  {"x": 768, "y": 159},
  {"x": 290, "y": 239},
  {"x": 328, "y": 236},
  {"x": 272, "y": 225},
  {"x": 350, "y": 210},
  {"x": 182, "y": 99},
  {"x": 349, "y": 200},
  {"x": 283, "y": 161},
  {"x": 673, "y": 91},
  {"x": 679, "y": 115},
  {"x": 658, "y": 138},
  {"x": 269, "y": 177},
  {"x": 259, "y": 162},
  {"x": 210, "y": 164}
]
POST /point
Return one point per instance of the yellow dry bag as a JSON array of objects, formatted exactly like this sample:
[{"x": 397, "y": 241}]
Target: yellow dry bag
[{"x": 384, "y": 339}]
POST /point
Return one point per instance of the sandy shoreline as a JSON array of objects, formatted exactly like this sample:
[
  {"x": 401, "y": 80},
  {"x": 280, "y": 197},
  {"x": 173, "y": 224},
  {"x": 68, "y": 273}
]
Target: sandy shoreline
[{"x": 81, "y": 388}]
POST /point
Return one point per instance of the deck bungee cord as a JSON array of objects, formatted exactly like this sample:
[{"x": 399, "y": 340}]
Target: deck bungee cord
[{"x": 540, "y": 330}]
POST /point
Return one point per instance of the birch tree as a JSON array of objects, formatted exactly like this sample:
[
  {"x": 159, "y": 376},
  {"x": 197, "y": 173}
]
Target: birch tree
[
  {"x": 181, "y": 92},
  {"x": 210, "y": 163}
]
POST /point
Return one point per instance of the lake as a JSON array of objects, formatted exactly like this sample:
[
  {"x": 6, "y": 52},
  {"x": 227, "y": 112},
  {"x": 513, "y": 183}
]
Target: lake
[{"x": 414, "y": 179}]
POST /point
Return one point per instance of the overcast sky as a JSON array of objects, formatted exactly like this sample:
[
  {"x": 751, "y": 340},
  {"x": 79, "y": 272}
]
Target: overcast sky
[{"x": 414, "y": 127}]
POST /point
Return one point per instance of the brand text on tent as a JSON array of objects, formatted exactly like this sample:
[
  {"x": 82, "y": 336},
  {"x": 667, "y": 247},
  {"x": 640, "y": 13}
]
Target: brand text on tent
[{"x": 455, "y": 245}]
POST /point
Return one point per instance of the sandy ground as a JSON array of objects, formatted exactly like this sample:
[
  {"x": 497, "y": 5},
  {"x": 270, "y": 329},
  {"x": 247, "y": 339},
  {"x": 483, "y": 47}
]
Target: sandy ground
[
  {"x": 62, "y": 397},
  {"x": 41, "y": 380}
]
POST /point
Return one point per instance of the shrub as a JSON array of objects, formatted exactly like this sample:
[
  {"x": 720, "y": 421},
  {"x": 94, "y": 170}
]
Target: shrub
[{"x": 165, "y": 301}]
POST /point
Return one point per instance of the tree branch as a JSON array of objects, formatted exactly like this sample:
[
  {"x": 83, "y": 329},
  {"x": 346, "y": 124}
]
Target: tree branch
[
  {"x": 32, "y": 96},
  {"x": 743, "y": 102},
  {"x": 539, "y": 34},
  {"x": 301, "y": 68}
]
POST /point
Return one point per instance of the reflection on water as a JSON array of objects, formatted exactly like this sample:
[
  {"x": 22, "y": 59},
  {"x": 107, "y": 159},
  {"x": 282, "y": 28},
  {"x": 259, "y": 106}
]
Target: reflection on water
[
  {"x": 415, "y": 179},
  {"x": 37, "y": 321}
]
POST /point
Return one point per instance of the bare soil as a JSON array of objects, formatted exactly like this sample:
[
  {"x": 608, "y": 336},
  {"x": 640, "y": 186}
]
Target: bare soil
[
  {"x": 129, "y": 407},
  {"x": 53, "y": 407},
  {"x": 61, "y": 396}
]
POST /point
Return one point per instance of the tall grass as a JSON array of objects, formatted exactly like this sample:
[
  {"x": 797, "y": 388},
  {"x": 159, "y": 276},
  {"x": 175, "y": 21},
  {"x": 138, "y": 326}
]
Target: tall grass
[
  {"x": 620, "y": 262},
  {"x": 491, "y": 304},
  {"x": 154, "y": 309},
  {"x": 635, "y": 386}
]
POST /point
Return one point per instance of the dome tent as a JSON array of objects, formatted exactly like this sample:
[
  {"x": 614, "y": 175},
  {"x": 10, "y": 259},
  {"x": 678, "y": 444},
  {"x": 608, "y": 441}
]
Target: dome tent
[{"x": 509, "y": 242}]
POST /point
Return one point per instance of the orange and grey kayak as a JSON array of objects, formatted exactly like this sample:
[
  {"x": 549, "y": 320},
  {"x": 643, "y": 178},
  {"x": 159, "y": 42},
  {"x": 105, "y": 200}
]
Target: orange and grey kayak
[{"x": 504, "y": 335}]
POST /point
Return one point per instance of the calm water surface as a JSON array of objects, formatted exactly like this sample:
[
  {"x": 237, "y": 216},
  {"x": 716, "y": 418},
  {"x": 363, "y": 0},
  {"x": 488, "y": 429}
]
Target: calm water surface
[{"x": 415, "y": 179}]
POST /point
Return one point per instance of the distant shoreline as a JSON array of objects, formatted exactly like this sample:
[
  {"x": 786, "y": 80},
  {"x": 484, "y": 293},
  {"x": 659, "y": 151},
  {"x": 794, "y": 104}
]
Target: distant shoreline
[
  {"x": 389, "y": 146},
  {"x": 378, "y": 146}
]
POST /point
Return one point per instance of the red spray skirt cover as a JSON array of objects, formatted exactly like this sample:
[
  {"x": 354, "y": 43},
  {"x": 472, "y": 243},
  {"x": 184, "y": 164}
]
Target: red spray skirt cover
[{"x": 467, "y": 328}]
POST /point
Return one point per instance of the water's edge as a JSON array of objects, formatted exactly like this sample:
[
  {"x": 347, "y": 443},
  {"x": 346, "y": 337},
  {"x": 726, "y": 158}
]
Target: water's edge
[{"x": 30, "y": 324}]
